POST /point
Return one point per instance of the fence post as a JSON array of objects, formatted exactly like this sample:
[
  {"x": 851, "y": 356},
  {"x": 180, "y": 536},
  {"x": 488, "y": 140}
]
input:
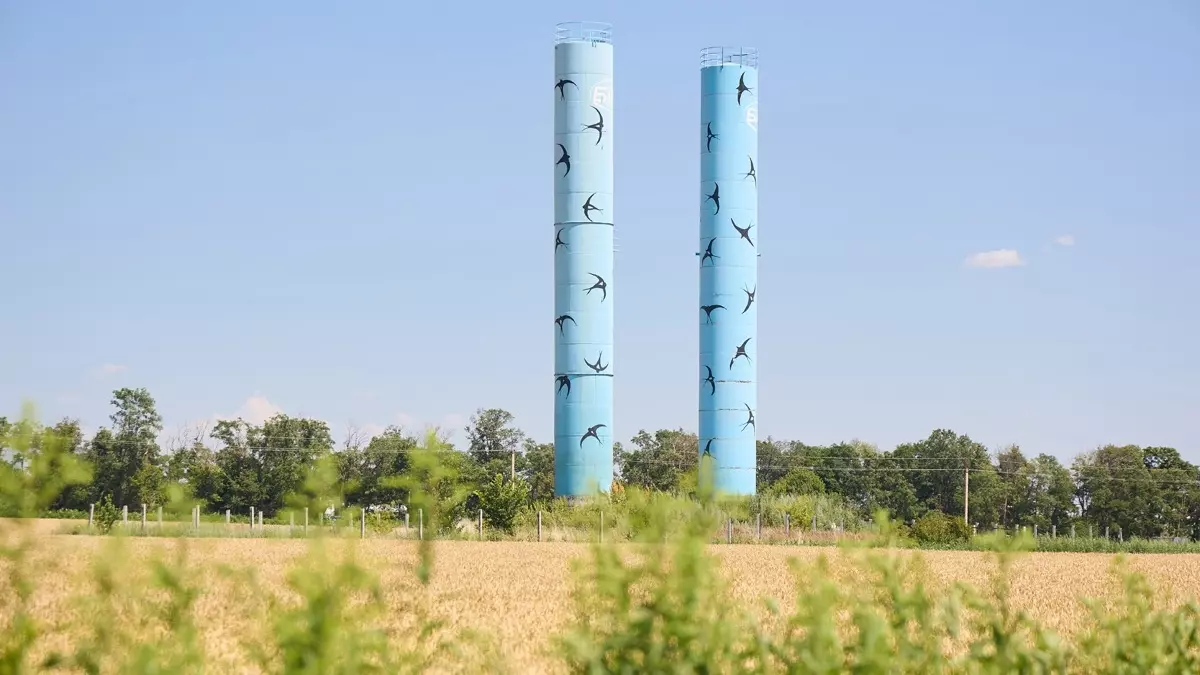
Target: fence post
[
  {"x": 260, "y": 519},
  {"x": 842, "y": 527},
  {"x": 406, "y": 523},
  {"x": 91, "y": 515},
  {"x": 251, "y": 518},
  {"x": 1106, "y": 532},
  {"x": 975, "y": 529},
  {"x": 1035, "y": 530},
  {"x": 143, "y": 519},
  {"x": 480, "y": 524},
  {"x": 306, "y": 521},
  {"x": 1054, "y": 531},
  {"x": 729, "y": 531},
  {"x": 420, "y": 523},
  {"x": 160, "y": 524},
  {"x": 787, "y": 526},
  {"x": 539, "y": 525},
  {"x": 1090, "y": 532},
  {"x": 814, "y": 523},
  {"x": 124, "y": 516},
  {"x": 758, "y": 527},
  {"x": 291, "y": 523},
  {"x": 1072, "y": 530},
  {"x": 196, "y": 518},
  {"x": 362, "y": 520},
  {"x": 227, "y": 516},
  {"x": 1120, "y": 535}
]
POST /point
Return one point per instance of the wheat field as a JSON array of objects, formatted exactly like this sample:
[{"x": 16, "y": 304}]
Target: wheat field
[{"x": 517, "y": 594}]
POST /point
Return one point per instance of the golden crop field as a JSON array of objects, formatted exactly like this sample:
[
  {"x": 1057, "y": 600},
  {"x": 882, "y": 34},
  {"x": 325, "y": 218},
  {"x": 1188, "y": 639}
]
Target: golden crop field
[{"x": 520, "y": 594}]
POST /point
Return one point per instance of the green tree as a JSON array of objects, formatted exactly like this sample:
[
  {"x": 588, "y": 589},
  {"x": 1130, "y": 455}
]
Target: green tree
[
  {"x": 1116, "y": 490},
  {"x": 386, "y": 455},
  {"x": 123, "y": 452},
  {"x": 492, "y": 441},
  {"x": 501, "y": 500},
  {"x": 658, "y": 461},
  {"x": 798, "y": 482},
  {"x": 538, "y": 469}
]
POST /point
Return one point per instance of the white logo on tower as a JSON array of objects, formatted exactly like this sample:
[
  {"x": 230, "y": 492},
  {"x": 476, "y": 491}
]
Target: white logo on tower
[
  {"x": 752, "y": 116},
  {"x": 602, "y": 94}
]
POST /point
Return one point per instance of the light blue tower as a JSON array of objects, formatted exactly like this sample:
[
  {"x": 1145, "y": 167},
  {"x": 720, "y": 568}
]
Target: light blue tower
[
  {"x": 728, "y": 253},
  {"x": 583, "y": 259}
]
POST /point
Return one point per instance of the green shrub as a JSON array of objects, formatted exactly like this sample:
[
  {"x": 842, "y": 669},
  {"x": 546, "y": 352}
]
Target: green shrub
[
  {"x": 501, "y": 502},
  {"x": 936, "y": 527},
  {"x": 107, "y": 515}
]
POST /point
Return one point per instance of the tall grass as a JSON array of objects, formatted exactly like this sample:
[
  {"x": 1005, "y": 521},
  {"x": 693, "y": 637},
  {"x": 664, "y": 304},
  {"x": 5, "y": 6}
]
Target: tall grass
[{"x": 649, "y": 599}]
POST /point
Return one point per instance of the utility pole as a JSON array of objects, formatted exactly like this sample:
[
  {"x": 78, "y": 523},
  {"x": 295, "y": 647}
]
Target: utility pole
[{"x": 966, "y": 494}]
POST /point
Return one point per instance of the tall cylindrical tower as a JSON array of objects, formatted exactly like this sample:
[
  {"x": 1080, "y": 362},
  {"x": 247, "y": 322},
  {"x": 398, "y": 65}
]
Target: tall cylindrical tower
[
  {"x": 583, "y": 259},
  {"x": 728, "y": 253}
]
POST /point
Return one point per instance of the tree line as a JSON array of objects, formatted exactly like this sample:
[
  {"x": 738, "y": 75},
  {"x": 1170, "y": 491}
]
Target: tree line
[{"x": 1140, "y": 491}]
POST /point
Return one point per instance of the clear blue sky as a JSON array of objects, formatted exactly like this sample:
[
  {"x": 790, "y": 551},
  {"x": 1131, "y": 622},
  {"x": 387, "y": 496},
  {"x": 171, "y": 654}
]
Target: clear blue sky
[{"x": 345, "y": 211}]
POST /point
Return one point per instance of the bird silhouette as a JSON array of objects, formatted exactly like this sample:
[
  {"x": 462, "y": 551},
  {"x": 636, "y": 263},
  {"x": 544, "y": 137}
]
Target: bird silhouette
[
  {"x": 600, "y": 285},
  {"x": 750, "y": 418},
  {"x": 708, "y": 310},
  {"x": 558, "y": 240},
  {"x": 588, "y": 207},
  {"x": 562, "y": 320},
  {"x": 715, "y": 198},
  {"x": 745, "y": 233},
  {"x": 708, "y": 448},
  {"x": 711, "y": 136},
  {"x": 563, "y": 381},
  {"x": 741, "y": 351},
  {"x": 591, "y": 433},
  {"x": 749, "y": 174},
  {"x": 598, "y": 127},
  {"x": 597, "y": 366},
  {"x": 561, "y": 87},
  {"x": 708, "y": 254},
  {"x": 711, "y": 381},
  {"x": 749, "y": 298},
  {"x": 565, "y": 159},
  {"x": 742, "y": 88}
]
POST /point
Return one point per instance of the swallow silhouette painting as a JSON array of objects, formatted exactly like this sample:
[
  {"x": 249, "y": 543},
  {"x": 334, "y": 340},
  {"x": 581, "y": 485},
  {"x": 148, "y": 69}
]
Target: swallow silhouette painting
[
  {"x": 708, "y": 448},
  {"x": 742, "y": 88},
  {"x": 561, "y": 87},
  {"x": 591, "y": 433},
  {"x": 715, "y": 198},
  {"x": 564, "y": 160},
  {"x": 558, "y": 240},
  {"x": 708, "y": 310},
  {"x": 588, "y": 207},
  {"x": 741, "y": 352},
  {"x": 597, "y": 366},
  {"x": 711, "y": 381},
  {"x": 564, "y": 382},
  {"x": 711, "y": 136},
  {"x": 708, "y": 252},
  {"x": 598, "y": 127},
  {"x": 749, "y": 418},
  {"x": 560, "y": 321},
  {"x": 744, "y": 232},
  {"x": 749, "y": 174},
  {"x": 749, "y": 298},
  {"x": 600, "y": 285}
]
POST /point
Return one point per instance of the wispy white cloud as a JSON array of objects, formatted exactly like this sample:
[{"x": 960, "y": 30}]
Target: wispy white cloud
[
  {"x": 109, "y": 369},
  {"x": 999, "y": 258},
  {"x": 1065, "y": 240}
]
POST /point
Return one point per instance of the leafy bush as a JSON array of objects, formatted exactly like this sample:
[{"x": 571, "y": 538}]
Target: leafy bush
[
  {"x": 501, "y": 501},
  {"x": 107, "y": 515},
  {"x": 936, "y": 527}
]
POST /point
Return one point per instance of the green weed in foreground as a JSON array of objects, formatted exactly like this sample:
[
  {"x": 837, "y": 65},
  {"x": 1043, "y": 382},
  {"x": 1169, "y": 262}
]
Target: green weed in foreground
[{"x": 659, "y": 605}]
